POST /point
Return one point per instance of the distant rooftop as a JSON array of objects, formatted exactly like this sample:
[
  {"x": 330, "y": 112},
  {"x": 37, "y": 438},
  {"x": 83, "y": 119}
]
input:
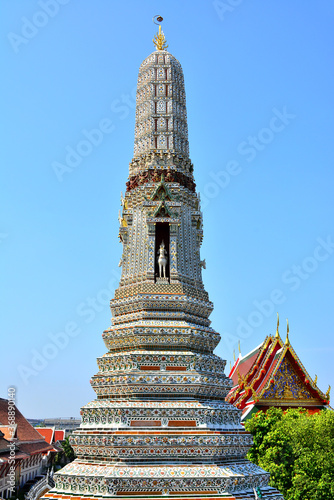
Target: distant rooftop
[{"x": 69, "y": 423}]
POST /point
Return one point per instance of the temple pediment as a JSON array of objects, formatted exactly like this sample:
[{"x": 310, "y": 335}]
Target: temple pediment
[
  {"x": 287, "y": 386},
  {"x": 161, "y": 192}
]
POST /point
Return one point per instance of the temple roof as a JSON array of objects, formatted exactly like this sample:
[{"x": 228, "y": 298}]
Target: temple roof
[
  {"x": 59, "y": 435},
  {"x": 47, "y": 433},
  {"x": 26, "y": 436},
  {"x": 52, "y": 436},
  {"x": 273, "y": 375}
]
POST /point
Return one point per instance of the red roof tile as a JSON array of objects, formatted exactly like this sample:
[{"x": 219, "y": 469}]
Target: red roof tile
[
  {"x": 8, "y": 431},
  {"x": 28, "y": 441},
  {"x": 59, "y": 436},
  {"x": 25, "y": 431},
  {"x": 47, "y": 433},
  {"x": 36, "y": 447}
]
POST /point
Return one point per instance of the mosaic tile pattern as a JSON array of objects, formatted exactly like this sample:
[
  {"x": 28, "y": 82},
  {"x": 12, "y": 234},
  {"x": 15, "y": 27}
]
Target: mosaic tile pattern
[
  {"x": 161, "y": 115},
  {"x": 160, "y": 424},
  {"x": 161, "y": 334},
  {"x": 287, "y": 385},
  {"x": 111, "y": 480}
]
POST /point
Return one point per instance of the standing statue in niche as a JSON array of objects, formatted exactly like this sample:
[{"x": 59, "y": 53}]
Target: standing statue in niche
[{"x": 162, "y": 260}]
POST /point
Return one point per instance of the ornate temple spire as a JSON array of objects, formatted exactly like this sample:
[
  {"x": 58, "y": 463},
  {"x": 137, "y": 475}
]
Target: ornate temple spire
[
  {"x": 161, "y": 116},
  {"x": 160, "y": 425}
]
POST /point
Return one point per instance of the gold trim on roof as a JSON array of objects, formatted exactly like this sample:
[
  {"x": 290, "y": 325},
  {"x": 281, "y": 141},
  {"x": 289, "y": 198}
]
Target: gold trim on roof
[
  {"x": 287, "y": 341},
  {"x": 328, "y": 393}
]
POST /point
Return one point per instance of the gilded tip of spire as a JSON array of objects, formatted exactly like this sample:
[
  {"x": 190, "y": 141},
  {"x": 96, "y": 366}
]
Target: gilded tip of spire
[
  {"x": 159, "y": 40},
  {"x": 239, "y": 349}
]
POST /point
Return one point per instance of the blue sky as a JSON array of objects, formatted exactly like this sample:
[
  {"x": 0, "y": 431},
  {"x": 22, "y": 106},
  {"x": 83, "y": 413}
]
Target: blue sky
[{"x": 259, "y": 84}]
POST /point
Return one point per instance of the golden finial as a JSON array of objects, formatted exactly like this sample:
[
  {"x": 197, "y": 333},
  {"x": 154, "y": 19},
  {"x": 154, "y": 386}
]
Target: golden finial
[
  {"x": 160, "y": 41},
  {"x": 328, "y": 392},
  {"x": 239, "y": 347},
  {"x": 315, "y": 380},
  {"x": 230, "y": 366},
  {"x": 277, "y": 334},
  {"x": 233, "y": 355},
  {"x": 287, "y": 341}
]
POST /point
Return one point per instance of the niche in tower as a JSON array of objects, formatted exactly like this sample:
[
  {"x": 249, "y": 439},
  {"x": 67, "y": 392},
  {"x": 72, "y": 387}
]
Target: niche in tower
[{"x": 162, "y": 235}]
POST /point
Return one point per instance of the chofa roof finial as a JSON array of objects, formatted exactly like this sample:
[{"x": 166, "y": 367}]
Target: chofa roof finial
[
  {"x": 159, "y": 40},
  {"x": 287, "y": 341},
  {"x": 277, "y": 327}
]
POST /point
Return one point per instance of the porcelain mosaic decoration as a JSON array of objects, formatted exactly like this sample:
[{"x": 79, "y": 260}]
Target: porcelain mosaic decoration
[{"x": 160, "y": 425}]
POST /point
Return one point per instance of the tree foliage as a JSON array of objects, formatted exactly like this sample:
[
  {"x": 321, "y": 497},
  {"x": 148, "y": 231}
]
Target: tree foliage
[
  {"x": 298, "y": 451},
  {"x": 66, "y": 454},
  {"x": 68, "y": 450}
]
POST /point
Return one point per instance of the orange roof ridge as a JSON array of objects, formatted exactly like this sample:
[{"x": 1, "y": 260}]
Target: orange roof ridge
[{"x": 47, "y": 433}]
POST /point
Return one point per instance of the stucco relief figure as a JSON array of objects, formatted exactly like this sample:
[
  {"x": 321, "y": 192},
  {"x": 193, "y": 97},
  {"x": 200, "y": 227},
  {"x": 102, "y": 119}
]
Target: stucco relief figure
[{"x": 162, "y": 260}]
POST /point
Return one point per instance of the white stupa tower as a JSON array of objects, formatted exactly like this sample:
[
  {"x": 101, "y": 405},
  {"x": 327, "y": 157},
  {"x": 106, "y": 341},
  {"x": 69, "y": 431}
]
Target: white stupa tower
[{"x": 160, "y": 426}]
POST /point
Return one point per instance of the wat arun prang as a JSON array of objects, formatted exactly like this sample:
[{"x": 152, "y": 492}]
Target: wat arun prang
[{"x": 160, "y": 425}]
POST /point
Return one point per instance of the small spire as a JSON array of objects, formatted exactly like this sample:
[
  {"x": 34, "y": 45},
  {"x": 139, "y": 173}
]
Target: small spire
[
  {"x": 233, "y": 355},
  {"x": 160, "y": 41},
  {"x": 287, "y": 341},
  {"x": 239, "y": 347},
  {"x": 315, "y": 380},
  {"x": 328, "y": 393},
  {"x": 230, "y": 365},
  {"x": 277, "y": 327}
]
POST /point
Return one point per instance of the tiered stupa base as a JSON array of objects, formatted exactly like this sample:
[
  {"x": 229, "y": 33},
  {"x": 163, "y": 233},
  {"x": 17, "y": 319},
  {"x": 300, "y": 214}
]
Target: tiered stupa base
[
  {"x": 161, "y": 425},
  {"x": 147, "y": 449},
  {"x": 236, "y": 479}
]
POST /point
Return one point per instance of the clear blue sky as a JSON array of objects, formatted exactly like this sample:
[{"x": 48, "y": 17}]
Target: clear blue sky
[{"x": 259, "y": 83}]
